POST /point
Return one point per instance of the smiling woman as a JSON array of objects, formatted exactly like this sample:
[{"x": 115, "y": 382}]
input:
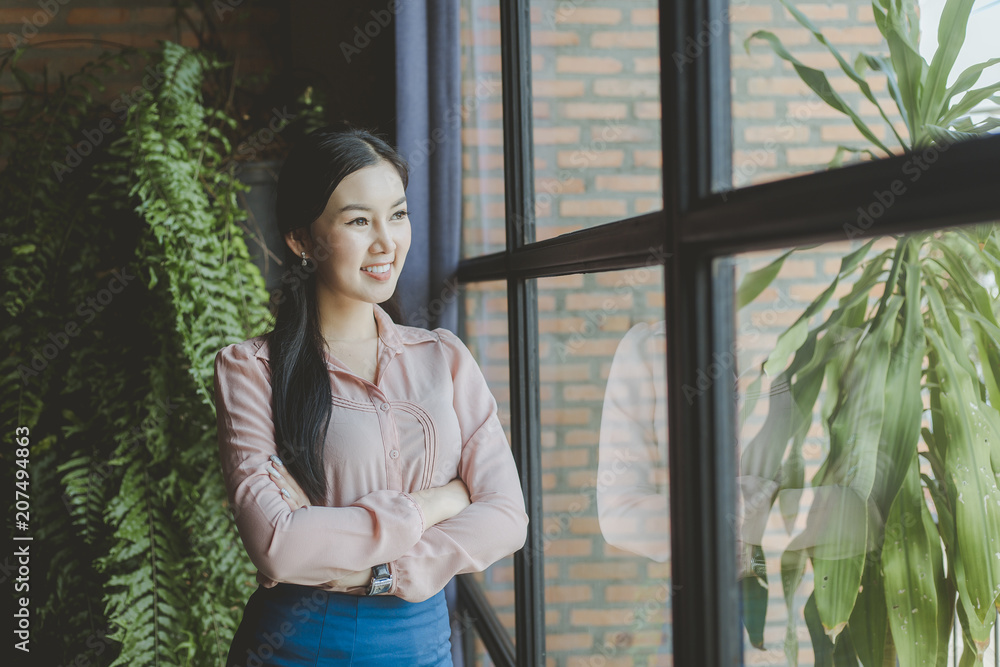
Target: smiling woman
[{"x": 364, "y": 460}]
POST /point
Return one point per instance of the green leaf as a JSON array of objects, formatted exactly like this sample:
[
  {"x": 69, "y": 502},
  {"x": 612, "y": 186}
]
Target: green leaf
[
  {"x": 844, "y": 65},
  {"x": 754, "y": 586},
  {"x": 817, "y": 81},
  {"x": 912, "y": 565},
  {"x": 951, "y": 36},
  {"x": 757, "y": 281}
]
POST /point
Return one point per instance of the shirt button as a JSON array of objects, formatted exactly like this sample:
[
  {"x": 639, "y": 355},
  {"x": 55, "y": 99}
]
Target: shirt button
[
  {"x": 384, "y": 407},
  {"x": 394, "y": 454}
]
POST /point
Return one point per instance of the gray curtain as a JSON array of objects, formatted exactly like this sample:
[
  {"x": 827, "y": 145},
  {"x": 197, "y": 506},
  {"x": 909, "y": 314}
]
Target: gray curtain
[{"x": 428, "y": 134}]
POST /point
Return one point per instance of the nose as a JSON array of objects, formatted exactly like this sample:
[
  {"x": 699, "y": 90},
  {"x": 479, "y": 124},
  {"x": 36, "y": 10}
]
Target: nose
[{"x": 383, "y": 238}]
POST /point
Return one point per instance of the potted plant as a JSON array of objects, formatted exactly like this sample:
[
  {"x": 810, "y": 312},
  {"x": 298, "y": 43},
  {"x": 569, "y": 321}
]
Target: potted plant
[{"x": 904, "y": 531}]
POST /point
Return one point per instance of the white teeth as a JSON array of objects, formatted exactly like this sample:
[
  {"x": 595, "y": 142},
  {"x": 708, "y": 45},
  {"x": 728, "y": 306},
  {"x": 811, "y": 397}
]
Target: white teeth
[{"x": 377, "y": 269}]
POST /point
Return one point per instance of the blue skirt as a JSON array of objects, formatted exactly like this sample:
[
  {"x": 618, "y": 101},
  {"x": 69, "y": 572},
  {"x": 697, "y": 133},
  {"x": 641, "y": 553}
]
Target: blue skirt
[{"x": 290, "y": 624}]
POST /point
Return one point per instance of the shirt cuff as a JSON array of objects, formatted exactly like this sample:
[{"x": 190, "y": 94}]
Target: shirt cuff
[{"x": 420, "y": 512}]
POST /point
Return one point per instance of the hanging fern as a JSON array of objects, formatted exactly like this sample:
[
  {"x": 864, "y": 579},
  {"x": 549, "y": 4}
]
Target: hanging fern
[{"x": 142, "y": 561}]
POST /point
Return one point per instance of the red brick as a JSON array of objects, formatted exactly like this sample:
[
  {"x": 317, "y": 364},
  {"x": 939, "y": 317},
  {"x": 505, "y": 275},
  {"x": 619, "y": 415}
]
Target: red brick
[
  {"x": 761, "y": 61},
  {"x": 647, "y": 204},
  {"x": 566, "y": 458},
  {"x": 630, "y": 88},
  {"x": 598, "y": 301},
  {"x": 647, "y": 110},
  {"x": 786, "y": 133},
  {"x": 566, "y": 642},
  {"x": 767, "y": 86},
  {"x": 97, "y": 16},
  {"x": 556, "y": 135},
  {"x": 555, "y": 186},
  {"x": 753, "y": 109},
  {"x": 647, "y": 65},
  {"x": 594, "y": 110},
  {"x": 554, "y": 38},
  {"x": 592, "y": 15},
  {"x": 557, "y": 88},
  {"x": 609, "y": 570},
  {"x": 651, "y": 158},
  {"x": 811, "y": 157},
  {"x": 584, "y": 159},
  {"x": 646, "y": 17},
  {"x": 636, "y": 39},
  {"x": 629, "y": 183},
  {"x": 593, "y": 208},
  {"x": 587, "y": 65},
  {"x": 867, "y": 34},
  {"x": 159, "y": 15},
  {"x": 590, "y": 617},
  {"x": 750, "y": 14},
  {"x": 565, "y": 548}
]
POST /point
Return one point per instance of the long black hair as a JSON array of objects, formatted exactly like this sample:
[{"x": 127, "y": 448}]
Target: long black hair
[{"x": 300, "y": 382}]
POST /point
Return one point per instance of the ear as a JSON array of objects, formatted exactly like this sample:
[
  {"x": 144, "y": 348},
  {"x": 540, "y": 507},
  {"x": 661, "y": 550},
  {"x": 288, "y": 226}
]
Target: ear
[{"x": 299, "y": 240}]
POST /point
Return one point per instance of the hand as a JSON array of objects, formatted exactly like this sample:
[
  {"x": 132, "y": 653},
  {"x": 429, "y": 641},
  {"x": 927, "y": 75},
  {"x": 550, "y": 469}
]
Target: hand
[
  {"x": 293, "y": 494},
  {"x": 442, "y": 502},
  {"x": 355, "y": 582}
]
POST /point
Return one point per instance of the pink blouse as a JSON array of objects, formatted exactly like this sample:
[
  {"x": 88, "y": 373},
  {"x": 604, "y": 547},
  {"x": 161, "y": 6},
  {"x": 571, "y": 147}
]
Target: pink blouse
[{"x": 428, "y": 418}]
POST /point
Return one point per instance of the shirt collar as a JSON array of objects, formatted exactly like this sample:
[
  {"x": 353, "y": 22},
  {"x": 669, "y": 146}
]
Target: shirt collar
[{"x": 394, "y": 337}]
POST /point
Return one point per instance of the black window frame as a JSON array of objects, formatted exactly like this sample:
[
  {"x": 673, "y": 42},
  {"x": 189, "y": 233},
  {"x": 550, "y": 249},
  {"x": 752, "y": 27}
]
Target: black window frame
[{"x": 702, "y": 220}]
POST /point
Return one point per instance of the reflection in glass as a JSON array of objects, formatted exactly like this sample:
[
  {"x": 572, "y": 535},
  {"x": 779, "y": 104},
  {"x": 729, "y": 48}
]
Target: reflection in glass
[
  {"x": 604, "y": 468},
  {"x": 870, "y": 456}
]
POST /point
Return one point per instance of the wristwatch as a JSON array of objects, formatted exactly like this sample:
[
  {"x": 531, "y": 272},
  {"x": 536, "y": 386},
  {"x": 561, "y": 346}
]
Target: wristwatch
[{"x": 381, "y": 579}]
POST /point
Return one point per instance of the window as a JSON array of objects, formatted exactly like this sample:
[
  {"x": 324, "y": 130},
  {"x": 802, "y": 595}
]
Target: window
[{"x": 578, "y": 598}]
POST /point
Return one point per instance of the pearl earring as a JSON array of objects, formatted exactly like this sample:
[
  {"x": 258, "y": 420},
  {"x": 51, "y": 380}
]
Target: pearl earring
[{"x": 303, "y": 258}]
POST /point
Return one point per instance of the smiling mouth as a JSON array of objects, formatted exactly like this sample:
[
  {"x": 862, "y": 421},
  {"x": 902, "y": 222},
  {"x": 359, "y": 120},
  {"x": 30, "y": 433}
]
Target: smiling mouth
[{"x": 378, "y": 269}]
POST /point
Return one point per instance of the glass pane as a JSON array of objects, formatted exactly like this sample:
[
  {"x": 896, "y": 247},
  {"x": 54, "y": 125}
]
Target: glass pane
[
  {"x": 869, "y": 450},
  {"x": 604, "y": 468},
  {"x": 483, "y": 321},
  {"x": 595, "y": 85},
  {"x": 781, "y": 126},
  {"x": 482, "y": 129}
]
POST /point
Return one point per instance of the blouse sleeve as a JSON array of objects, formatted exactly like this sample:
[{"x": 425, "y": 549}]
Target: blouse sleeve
[
  {"x": 632, "y": 507},
  {"x": 313, "y": 545},
  {"x": 495, "y": 524}
]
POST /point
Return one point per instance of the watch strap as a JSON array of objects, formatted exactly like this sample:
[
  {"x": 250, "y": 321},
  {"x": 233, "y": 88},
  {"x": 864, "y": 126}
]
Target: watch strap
[{"x": 381, "y": 580}]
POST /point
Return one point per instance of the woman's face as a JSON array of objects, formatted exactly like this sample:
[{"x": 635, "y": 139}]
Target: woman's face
[{"x": 360, "y": 240}]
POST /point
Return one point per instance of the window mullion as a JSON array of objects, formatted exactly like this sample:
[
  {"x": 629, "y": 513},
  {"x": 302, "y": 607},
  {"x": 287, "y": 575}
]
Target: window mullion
[{"x": 519, "y": 200}]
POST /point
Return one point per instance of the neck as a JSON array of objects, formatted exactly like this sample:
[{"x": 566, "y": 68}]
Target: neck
[{"x": 346, "y": 320}]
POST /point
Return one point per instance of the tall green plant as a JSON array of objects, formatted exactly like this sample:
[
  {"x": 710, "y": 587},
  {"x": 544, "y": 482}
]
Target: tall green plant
[
  {"x": 883, "y": 587},
  {"x": 140, "y": 563}
]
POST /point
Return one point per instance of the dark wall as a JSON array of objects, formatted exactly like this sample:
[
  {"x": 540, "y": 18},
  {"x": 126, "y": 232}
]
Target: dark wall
[{"x": 350, "y": 46}]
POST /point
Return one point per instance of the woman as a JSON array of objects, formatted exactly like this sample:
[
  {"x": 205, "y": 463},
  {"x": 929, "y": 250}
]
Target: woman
[{"x": 364, "y": 460}]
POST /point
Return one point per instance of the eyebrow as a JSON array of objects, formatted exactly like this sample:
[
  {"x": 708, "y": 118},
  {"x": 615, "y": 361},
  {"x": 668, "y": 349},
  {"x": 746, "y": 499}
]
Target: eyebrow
[{"x": 362, "y": 207}]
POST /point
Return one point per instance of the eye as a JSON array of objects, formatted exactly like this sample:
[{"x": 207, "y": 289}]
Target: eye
[
  {"x": 358, "y": 220},
  {"x": 399, "y": 215}
]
